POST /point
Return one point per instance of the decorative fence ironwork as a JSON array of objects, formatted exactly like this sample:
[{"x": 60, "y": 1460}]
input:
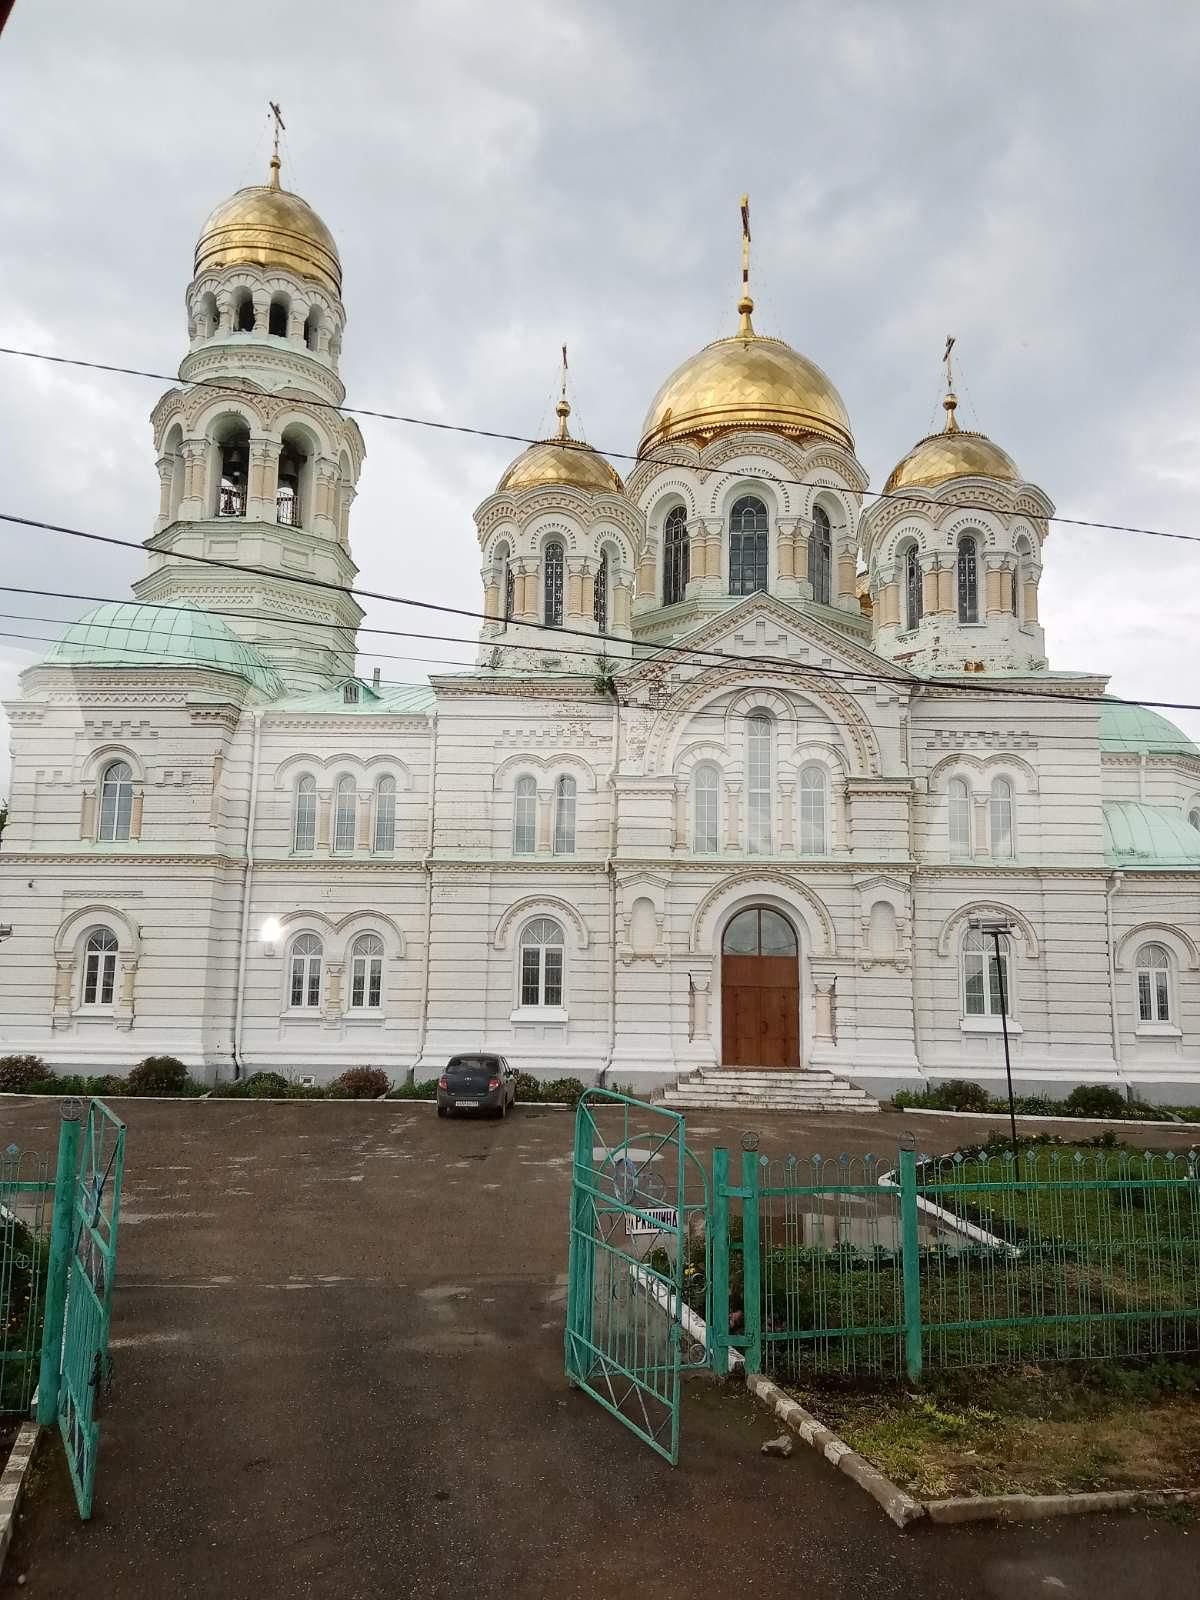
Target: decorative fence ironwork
[{"x": 25, "y": 1191}]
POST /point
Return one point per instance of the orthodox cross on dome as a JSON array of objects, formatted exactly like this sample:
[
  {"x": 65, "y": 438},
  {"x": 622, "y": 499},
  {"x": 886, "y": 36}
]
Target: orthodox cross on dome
[
  {"x": 280, "y": 127},
  {"x": 563, "y": 408},
  {"x": 950, "y": 403},
  {"x": 746, "y": 303}
]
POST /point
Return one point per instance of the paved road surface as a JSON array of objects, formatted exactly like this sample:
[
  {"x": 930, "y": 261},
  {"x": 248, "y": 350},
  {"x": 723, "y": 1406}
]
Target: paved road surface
[{"x": 338, "y": 1346}]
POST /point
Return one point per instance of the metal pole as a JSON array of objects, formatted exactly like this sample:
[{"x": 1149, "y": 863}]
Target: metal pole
[
  {"x": 751, "y": 1263},
  {"x": 61, "y": 1233},
  {"x": 718, "y": 1332},
  {"x": 910, "y": 1264},
  {"x": 1012, "y": 1110}
]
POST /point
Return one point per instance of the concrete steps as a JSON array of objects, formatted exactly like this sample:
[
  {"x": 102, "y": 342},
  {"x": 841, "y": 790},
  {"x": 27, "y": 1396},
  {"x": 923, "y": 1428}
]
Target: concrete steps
[{"x": 760, "y": 1089}]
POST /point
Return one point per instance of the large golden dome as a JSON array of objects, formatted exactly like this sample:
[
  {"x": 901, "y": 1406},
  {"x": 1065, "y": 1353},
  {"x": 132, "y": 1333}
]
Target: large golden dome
[
  {"x": 561, "y": 460},
  {"x": 954, "y": 453},
  {"x": 266, "y": 226}
]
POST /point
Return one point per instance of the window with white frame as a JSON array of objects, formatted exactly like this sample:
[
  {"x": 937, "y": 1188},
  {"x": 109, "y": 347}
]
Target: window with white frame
[
  {"x": 116, "y": 802},
  {"x": 759, "y": 738},
  {"x": 1000, "y": 806},
  {"x": 553, "y": 561},
  {"x": 814, "y": 811},
  {"x": 706, "y": 809},
  {"x": 748, "y": 547},
  {"x": 913, "y": 599},
  {"x": 820, "y": 556},
  {"x": 564, "y": 816},
  {"x": 1154, "y": 984},
  {"x": 304, "y": 976},
  {"x": 958, "y": 805},
  {"x": 304, "y": 814},
  {"x": 99, "y": 967},
  {"x": 968, "y": 579},
  {"x": 366, "y": 973},
  {"x": 345, "y": 809},
  {"x": 541, "y": 964},
  {"x": 525, "y": 816},
  {"x": 675, "y": 556},
  {"x": 983, "y": 976},
  {"x": 385, "y": 815}
]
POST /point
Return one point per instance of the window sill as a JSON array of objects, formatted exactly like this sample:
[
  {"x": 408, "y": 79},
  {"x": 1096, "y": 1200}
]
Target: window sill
[
  {"x": 538, "y": 1014},
  {"x": 1158, "y": 1030},
  {"x": 363, "y": 1014},
  {"x": 989, "y": 1025}
]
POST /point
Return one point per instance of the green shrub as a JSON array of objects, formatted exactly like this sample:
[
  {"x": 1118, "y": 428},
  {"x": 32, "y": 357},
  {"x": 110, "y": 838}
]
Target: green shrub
[
  {"x": 258, "y": 1086},
  {"x": 528, "y": 1087},
  {"x": 568, "y": 1089},
  {"x": 361, "y": 1083},
  {"x": 18, "y": 1074},
  {"x": 158, "y": 1075},
  {"x": 425, "y": 1090},
  {"x": 1096, "y": 1100}
]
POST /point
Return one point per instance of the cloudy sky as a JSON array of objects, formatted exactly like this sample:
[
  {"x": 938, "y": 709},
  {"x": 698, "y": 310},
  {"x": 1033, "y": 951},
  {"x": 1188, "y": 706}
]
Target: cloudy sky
[{"x": 502, "y": 175}]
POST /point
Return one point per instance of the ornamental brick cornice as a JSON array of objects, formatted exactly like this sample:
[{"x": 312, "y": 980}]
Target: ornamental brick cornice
[
  {"x": 1033, "y": 687},
  {"x": 377, "y": 722},
  {"x": 463, "y": 687},
  {"x": 101, "y": 859}
]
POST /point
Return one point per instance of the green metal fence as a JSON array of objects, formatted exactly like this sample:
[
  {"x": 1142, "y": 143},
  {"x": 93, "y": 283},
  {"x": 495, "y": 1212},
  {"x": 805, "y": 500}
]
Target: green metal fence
[{"x": 25, "y": 1191}]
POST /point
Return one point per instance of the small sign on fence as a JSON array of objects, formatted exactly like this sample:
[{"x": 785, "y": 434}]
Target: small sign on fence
[{"x": 666, "y": 1218}]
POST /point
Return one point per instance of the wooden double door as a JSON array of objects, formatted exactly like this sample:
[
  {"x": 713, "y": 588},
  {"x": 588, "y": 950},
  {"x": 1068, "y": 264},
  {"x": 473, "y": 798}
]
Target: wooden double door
[{"x": 760, "y": 991}]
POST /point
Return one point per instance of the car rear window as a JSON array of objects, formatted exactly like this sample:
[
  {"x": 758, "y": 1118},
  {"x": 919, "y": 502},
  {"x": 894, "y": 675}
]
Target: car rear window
[{"x": 481, "y": 1063}]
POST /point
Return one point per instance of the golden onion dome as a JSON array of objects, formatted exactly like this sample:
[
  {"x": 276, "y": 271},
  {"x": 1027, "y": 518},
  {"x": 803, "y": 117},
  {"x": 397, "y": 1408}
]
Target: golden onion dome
[
  {"x": 561, "y": 460},
  {"x": 268, "y": 226},
  {"x": 953, "y": 453}
]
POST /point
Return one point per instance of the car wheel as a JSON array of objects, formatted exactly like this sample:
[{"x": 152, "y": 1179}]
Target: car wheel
[
  {"x": 443, "y": 1111},
  {"x": 503, "y": 1111}
]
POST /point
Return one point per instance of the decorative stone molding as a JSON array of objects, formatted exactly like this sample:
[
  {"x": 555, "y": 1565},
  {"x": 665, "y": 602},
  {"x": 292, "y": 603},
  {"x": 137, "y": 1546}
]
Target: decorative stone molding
[
  {"x": 754, "y": 882},
  {"x": 536, "y": 905},
  {"x": 954, "y": 923},
  {"x": 1181, "y": 944}
]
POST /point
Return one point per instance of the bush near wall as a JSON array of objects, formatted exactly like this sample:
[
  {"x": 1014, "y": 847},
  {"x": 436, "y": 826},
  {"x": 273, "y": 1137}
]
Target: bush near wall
[{"x": 1088, "y": 1100}]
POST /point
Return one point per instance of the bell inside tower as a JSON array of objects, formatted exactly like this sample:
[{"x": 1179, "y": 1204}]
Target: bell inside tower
[{"x": 233, "y": 446}]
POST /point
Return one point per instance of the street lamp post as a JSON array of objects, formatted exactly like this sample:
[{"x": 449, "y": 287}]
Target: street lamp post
[{"x": 997, "y": 928}]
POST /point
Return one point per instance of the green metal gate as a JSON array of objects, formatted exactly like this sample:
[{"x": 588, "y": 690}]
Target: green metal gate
[{"x": 638, "y": 1200}]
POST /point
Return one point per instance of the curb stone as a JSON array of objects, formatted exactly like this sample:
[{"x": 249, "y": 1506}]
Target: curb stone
[
  {"x": 12, "y": 1482},
  {"x": 1031, "y": 1116}
]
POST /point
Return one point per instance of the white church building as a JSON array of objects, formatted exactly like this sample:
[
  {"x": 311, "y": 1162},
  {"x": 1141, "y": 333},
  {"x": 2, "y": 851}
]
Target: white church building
[{"x": 743, "y": 756}]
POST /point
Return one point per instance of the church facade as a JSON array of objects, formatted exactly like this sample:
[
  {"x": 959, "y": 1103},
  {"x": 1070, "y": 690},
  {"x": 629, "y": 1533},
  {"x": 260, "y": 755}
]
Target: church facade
[{"x": 746, "y": 758}]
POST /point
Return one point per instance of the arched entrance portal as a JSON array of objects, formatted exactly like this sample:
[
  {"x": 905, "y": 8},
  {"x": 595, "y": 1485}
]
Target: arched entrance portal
[{"x": 760, "y": 991}]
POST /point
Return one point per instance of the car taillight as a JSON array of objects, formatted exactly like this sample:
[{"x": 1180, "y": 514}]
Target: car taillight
[
  {"x": 493, "y": 1083},
  {"x": 442, "y": 1083}
]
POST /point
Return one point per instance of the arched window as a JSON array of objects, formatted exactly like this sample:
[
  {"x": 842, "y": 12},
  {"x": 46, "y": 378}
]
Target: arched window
[
  {"x": 1154, "y": 984},
  {"x": 553, "y": 562},
  {"x": 243, "y": 312},
  {"x": 676, "y": 559},
  {"x": 292, "y": 461},
  {"x": 503, "y": 570},
  {"x": 116, "y": 802},
  {"x": 312, "y": 327},
  {"x": 759, "y": 932},
  {"x": 277, "y": 321},
  {"x": 541, "y": 964},
  {"x": 1021, "y": 574},
  {"x": 600, "y": 599},
  {"x": 564, "y": 816},
  {"x": 304, "y": 814},
  {"x": 1001, "y": 808},
  {"x": 233, "y": 451},
  {"x": 912, "y": 588},
  {"x": 981, "y": 976},
  {"x": 385, "y": 815},
  {"x": 706, "y": 809},
  {"x": 366, "y": 973},
  {"x": 208, "y": 317},
  {"x": 1194, "y": 817},
  {"x": 968, "y": 579},
  {"x": 814, "y": 811},
  {"x": 304, "y": 986},
  {"x": 99, "y": 967},
  {"x": 748, "y": 546},
  {"x": 759, "y": 738},
  {"x": 958, "y": 804},
  {"x": 820, "y": 556},
  {"x": 345, "y": 805},
  {"x": 525, "y": 816}
]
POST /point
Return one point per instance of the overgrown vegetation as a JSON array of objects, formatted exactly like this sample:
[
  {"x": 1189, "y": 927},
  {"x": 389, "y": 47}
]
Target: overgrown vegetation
[
  {"x": 22, "y": 1295},
  {"x": 1088, "y": 1100}
]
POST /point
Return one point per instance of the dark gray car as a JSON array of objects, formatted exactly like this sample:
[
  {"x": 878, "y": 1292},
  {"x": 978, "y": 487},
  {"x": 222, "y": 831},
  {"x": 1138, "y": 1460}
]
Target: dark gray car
[{"x": 477, "y": 1083}]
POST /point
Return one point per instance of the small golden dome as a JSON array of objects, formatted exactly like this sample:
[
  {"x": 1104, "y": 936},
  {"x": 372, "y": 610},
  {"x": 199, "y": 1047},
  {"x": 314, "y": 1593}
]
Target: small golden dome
[
  {"x": 266, "y": 226},
  {"x": 953, "y": 453},
  {"x": 561, "y": 460}
]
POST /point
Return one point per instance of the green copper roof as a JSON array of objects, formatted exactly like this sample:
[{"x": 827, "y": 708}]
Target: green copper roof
[
  {"x": 1135, "y": 728},
  {"x": 1141, "y": 835},
  {"x": 132, "y": 635},
  {"x": 389, "y": 700}
]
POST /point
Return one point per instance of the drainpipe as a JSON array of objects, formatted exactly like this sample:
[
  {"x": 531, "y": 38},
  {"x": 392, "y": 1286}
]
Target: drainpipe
[
  {"x": 610, "y": 867},
  {"x": 428, "y": 865},
  {"x": 1114, "y": 883},
  {"x": 239, "y": 1004}
]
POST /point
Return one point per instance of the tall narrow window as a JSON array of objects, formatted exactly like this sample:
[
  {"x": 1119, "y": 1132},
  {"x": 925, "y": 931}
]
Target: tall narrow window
[
  {"x": 243, "y": 315},
  {"x": 385, "y": 815},
  {"x": 116, "y": 802},
  {"x": 542, "y": 964},
  {"x": 510, "y": 591},
  {"x": 706, "y": 809},
  {"x": 292, "y": 463},
  {"x": 277, "y": 317},
  {"x": 233, "y": 457},
  {"x": 304, "y": 982},
  {"x": 504, "y": 576},
  {"x": 564, "y": 816},
  {"x": 759, "y": 734},
  {"x": 814, "y": 811},
  {"x": 968, "y": 579},
  {"x": 304, "y": 814},
  {"x": 600, "y": 598},
  {"x": 676, "y": 559},
  {"x": 366, "y": 973},
  {"x": 912, "y": 588},
  {"x": 1154, "y": 984},
  {"x": 553, "y": 561},
  {"x": 1194, "y": 817},
  {"x": 958, "y": 801},
  {"x": 820, "y": 556},
  {"x": 748, "y": 546},
  {"x": 981, "y": 976},
  {"x": 1020, "y": 574},
  {"x": 345, "y": 807},
  {"x": 1001, "y": 806},
  {"x": 100, "y": 967},
  {"x": 525, "y": 816}
]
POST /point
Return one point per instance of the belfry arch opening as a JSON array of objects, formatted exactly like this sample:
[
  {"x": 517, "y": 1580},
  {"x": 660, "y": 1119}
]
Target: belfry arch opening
[{"x": 760, "y": 990}]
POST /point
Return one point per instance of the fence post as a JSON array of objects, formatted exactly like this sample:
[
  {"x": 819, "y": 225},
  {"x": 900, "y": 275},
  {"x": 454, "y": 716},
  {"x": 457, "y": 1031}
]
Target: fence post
[
  {"x": 910, "y": 1256},
  {"x": 581, "y": 1248},
  {"x": 718, "y": 1325},
  {"x": 61, "y": 1233},
  {"x": 751, "y": 1263}
]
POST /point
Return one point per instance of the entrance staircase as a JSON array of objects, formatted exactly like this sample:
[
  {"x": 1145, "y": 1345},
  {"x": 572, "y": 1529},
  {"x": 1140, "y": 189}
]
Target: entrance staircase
[{"x": 765, "y": 1089}]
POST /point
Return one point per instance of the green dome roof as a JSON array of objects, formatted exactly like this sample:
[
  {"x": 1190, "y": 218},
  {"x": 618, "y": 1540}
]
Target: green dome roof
[
  {"x": 1135, "y": 728},
  {"x": 132, "y": 635},
  {"x": 1141, "y": 835}
]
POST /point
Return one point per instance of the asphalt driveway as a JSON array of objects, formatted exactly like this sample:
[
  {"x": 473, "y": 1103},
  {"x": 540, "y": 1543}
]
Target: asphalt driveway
[{"x": 337, "y": 1337}]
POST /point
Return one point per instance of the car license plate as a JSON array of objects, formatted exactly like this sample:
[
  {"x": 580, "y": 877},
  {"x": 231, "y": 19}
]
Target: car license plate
[{"x": 463, "y": 1105}]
